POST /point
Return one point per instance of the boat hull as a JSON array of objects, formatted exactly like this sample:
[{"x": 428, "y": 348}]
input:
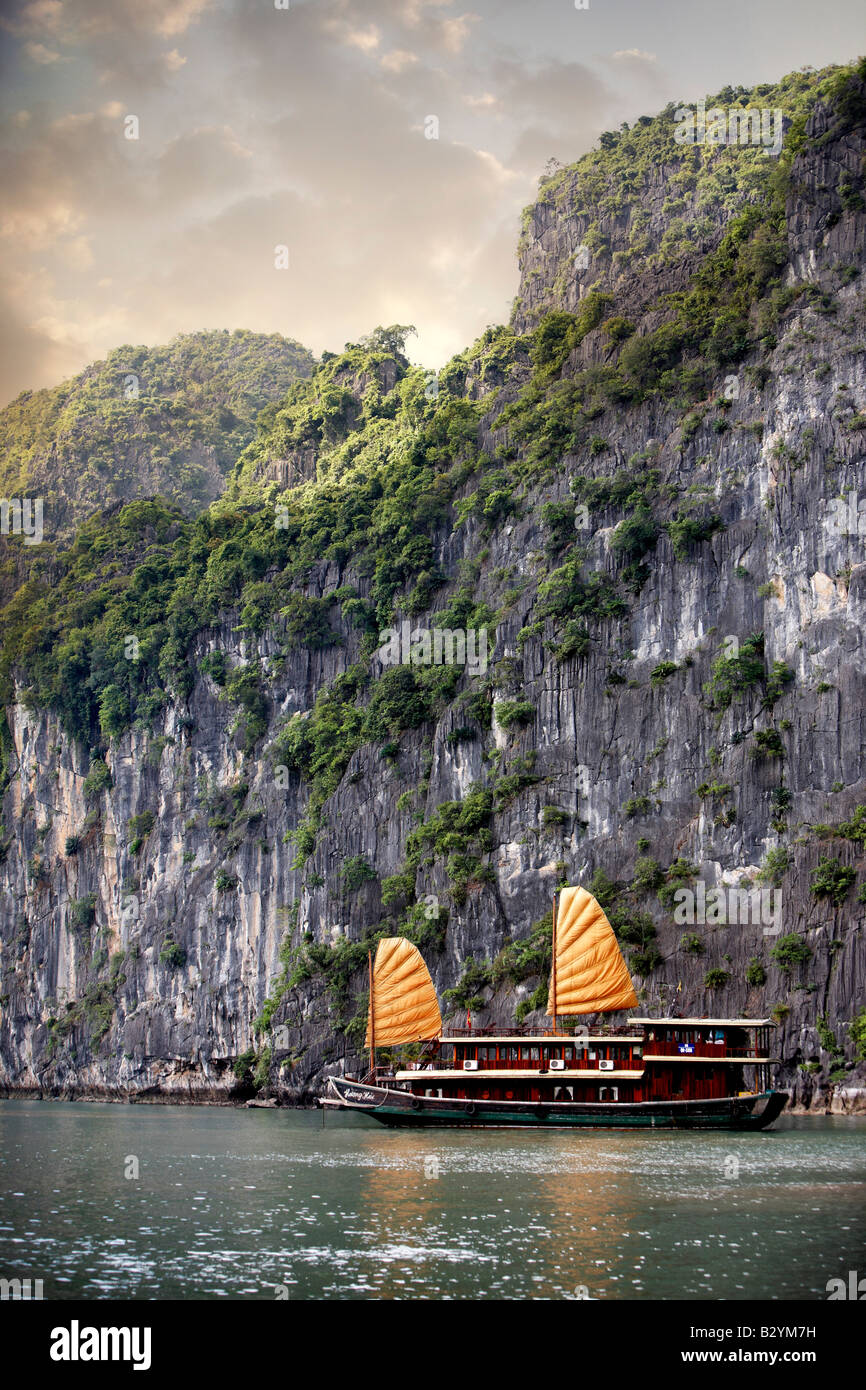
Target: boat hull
[{"x": 401, "y": 1109}]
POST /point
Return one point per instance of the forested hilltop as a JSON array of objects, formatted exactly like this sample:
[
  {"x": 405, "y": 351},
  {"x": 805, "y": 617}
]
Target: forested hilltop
[
  {"x": 166, "y": 421},
  {"x": 644, "y": 490}
]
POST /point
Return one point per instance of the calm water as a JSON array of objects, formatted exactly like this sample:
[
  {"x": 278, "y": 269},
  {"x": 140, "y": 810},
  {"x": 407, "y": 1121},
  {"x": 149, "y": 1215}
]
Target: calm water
[{"x": 233, "y": 1203}]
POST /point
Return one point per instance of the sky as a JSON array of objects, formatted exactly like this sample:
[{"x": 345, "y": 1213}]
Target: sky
[{"x": 387, "y": 145}]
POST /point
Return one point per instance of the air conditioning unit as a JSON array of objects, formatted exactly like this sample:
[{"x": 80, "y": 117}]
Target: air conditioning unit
[
  {"x": 605, "y": 1065},
  {"x": 556, "y": 1064},
  {"x": 470, "y": 1066}
]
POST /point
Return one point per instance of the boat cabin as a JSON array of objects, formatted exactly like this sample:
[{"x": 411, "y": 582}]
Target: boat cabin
[{"x": 650, "y": 1059}]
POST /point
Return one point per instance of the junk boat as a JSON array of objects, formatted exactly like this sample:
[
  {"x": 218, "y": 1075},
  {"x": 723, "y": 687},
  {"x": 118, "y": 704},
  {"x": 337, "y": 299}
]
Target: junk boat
[{"x": 650, "y": 1073}]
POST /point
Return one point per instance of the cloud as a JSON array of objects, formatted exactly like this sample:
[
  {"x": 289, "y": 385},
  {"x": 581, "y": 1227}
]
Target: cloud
[
  {"x": 175, "y": 16},
  {"x": 81, "y": 20},
  {"x": 78, "y": 253},
  {"x": 456, "y": 31},
  {"x": 398, "y": 60},
  {"x": 207, "y": 165},
  {"x": 634, "y": 53},
  {"x": 40, "y": 54},
  {"x": 366, "y": 39},
  {"x": 40, "y": 17},
  {"x": 486, "y": 102}
]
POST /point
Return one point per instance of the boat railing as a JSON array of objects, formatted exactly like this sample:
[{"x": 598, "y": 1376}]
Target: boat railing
[
  {"x": 519, "y": 1030},
  {"x": 525, "y": 1064},
  {"x": 579, "y": 1058}
]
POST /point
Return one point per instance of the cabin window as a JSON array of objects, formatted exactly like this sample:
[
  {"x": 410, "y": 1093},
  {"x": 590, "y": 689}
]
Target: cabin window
[
  {"x": 563, "y": 1093},
  {"x": 591, "y": 1054},
  {"x": 514, "y": 1054},
  {"x": 534, "y": 1054},
  {"x": 568, "y": 1054}
]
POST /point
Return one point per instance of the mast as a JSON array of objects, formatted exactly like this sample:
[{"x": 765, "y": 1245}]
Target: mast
[
  {"x": 553, "y": 967},
  {"x": 372, "y": 1017}
]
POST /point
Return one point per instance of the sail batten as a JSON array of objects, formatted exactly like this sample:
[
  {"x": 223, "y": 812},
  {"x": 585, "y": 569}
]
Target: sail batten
[
  {"x": 403, "y": 1005},
  {"x": 589, "y": 974}
]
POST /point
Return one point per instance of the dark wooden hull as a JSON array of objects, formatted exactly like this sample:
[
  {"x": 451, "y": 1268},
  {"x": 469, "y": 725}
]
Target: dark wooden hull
[{"x": 400, "y": 1108}]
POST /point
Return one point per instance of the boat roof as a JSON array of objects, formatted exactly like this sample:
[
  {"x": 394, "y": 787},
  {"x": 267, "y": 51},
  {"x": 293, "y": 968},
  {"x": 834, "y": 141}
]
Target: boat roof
[
  {"x": 619, "y": 1034},
  {"x": 707, "y": 1022}
]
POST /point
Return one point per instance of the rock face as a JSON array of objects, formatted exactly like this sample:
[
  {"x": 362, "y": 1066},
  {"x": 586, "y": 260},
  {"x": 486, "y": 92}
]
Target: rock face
[{"x": 150, "y": 912}]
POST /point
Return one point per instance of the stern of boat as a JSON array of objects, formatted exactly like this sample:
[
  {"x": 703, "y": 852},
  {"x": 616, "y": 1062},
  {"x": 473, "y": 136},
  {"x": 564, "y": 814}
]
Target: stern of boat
[{"x": 763, "y": 1114}]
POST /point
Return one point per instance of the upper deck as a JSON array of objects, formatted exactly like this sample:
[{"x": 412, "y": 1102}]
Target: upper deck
[{"x": 616, "y": 1052}]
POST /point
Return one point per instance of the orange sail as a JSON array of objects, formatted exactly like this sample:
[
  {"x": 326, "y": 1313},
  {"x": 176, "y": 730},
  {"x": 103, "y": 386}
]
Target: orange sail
[
  {"x": 589, "y": 974},
  {"x": 403, "y": 1006}
]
